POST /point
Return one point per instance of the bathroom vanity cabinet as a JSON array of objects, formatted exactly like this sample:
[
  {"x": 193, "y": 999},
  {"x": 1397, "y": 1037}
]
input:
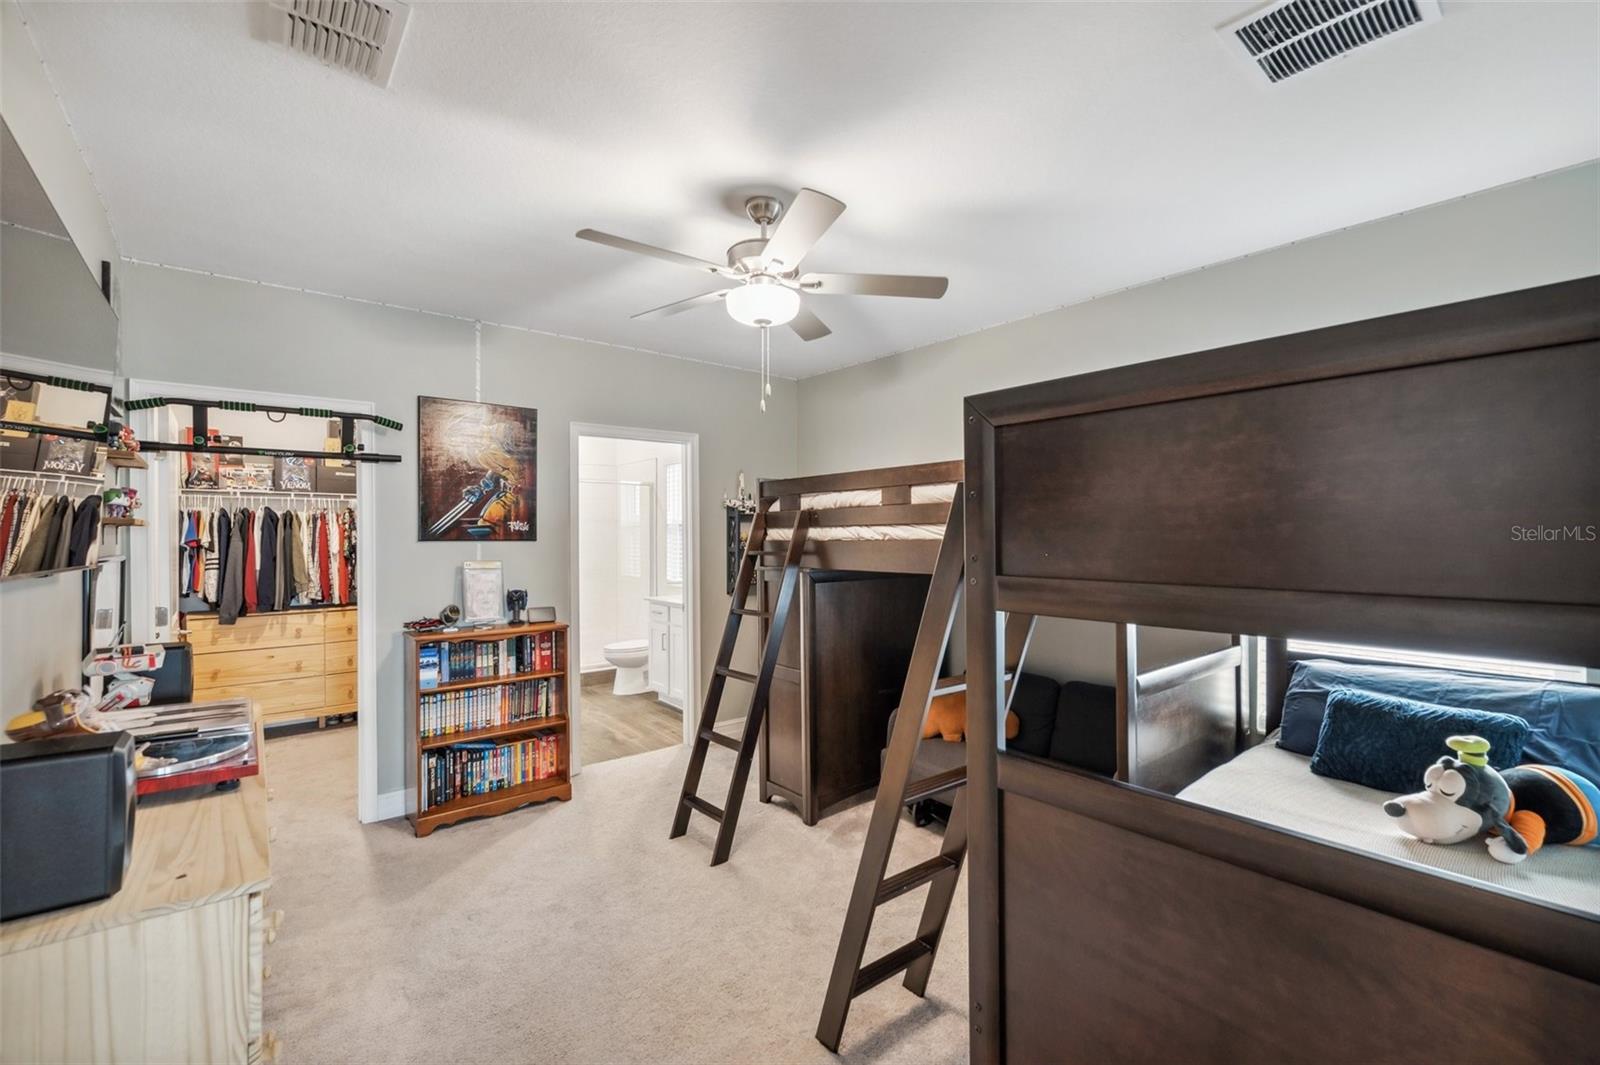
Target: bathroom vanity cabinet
[{"x": 669, "y": 655}]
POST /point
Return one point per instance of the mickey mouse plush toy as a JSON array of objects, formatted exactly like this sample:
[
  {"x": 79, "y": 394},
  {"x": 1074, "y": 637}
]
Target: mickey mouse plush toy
[{"x": 1524, "y": 808}]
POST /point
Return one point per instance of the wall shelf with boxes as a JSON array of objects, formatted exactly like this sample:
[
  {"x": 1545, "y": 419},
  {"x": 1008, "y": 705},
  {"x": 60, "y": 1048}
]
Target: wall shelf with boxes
[{"x": 488, "y": 716}]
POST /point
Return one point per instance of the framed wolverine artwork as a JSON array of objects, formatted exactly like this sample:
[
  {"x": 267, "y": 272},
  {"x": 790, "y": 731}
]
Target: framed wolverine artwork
[{"x": 477, "y": 470}]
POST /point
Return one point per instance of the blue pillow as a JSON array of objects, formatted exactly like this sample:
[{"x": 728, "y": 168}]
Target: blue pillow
[
  {"x": 1387, "y": 742},
  {"x": 1565, "y": 718}
]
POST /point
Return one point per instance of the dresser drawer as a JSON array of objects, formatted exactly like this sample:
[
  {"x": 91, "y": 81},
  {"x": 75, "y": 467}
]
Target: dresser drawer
[
  {"x": 249, "y": 667},
  {"x": 339, "y": 657},
  {"x": 303, "y": 696},
  {"x": 256, "y": 631},
  {"x": 339, "y": 625},
  {"x": 339, "y": 691}
]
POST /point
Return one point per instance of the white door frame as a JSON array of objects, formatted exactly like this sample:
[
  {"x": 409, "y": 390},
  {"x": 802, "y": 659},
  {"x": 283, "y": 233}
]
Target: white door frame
[
  {"x": 159, "y": 565},
  {"x": 691, "y": 571}
]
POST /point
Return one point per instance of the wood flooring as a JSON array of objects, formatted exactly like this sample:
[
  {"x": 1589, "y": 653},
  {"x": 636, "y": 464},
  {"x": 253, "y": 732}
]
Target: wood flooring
[{"x": 615, "y": 726}]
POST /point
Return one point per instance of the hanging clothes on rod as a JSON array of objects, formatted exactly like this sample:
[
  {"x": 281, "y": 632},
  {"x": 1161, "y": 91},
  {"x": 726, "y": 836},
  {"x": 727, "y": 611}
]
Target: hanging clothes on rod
[
  {"x": 48, "y": 523},
  {"x": 244, "y": 553}
]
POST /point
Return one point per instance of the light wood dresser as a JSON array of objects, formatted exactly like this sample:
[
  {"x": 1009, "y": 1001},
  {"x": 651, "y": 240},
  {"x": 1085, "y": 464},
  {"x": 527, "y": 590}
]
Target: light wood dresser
[
  {"x": 168, "y": 969},
  {"x": 296, "y": 665}
]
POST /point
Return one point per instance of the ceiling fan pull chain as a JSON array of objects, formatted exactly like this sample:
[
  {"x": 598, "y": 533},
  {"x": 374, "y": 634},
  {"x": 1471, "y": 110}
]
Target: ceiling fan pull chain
[{"x": 766, "y": 354}]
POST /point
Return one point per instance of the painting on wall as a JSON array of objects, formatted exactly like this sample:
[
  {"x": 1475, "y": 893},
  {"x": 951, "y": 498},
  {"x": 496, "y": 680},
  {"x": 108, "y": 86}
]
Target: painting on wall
[{"x": 476, "y": 470}]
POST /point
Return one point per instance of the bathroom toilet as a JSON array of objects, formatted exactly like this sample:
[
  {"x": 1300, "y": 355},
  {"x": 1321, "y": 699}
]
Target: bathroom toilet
[{"x": 630, "y": 657}]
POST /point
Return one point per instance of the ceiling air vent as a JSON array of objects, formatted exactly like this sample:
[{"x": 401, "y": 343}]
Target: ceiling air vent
[
  {"x": 357, "y": 36},
  {"x": 1292, "y": 36}
]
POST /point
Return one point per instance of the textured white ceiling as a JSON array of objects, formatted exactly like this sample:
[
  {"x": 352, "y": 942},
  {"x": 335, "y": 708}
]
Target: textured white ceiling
[{"x": 1037, "y": 154}]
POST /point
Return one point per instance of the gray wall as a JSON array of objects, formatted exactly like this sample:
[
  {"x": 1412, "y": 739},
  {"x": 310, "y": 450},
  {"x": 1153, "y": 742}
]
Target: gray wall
[
  {"x": 50, "y": 306},
  {"x": 31, "y": 109},
  {"x": 1532, "y": 233},
  {"x": 191, "y": 328},
  {"x": 41, "y": 622}
]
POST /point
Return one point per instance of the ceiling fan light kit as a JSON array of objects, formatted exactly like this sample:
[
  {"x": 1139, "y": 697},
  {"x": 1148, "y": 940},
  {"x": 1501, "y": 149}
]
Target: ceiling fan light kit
[
  {"x": 767, "y": 272},
  {"x": 763, "y": 301}
]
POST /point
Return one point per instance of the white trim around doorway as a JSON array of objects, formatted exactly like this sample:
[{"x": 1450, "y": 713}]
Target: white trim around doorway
[
  {"x": 159, "y": 567},
  {"x": 691, "y": 571}
]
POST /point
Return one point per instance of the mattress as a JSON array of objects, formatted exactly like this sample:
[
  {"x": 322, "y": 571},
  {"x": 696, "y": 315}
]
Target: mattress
[
  {"x": 865, "y": 532},
  {"x": 869, "y": 497},
  {"x": 872, "y": 497},
  {"x": 1277, "y": 787}
]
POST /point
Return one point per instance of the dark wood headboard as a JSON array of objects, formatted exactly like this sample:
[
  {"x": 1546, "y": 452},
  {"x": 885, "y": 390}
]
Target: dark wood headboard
[{"x": 1426, "y": 480}]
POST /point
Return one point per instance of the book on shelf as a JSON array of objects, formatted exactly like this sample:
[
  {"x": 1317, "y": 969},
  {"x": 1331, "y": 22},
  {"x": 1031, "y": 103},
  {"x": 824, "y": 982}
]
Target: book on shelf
[
  {"x": 428, "y": 666},
  {"x": 469, "y": 659},
  {"x": 484, "y": 767},
  {"x": 491, "y": 706}
]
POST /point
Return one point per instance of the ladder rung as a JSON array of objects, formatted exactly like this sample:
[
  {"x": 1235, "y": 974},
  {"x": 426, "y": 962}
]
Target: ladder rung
[
  {"x": 918, "y": 790},
  {"x": 697, "y": 803},
  {"x": 745, "y": 612},
  {"x": 906, "y": 880},
  {"x": 721, "y": 739},
  {"x": 764, "y": 568},
  {"x": 893, "y": 962},
  {"x": 737, "y": 674}
]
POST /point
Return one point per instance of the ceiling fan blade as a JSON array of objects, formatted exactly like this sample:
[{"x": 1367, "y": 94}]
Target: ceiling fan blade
[
  {"x": 800, "y": 226},
  {"x": 928, "y": 288},
  {"x": 668, "y": 309},
  {"x": 654, "y": 252},
  {"x": 808, "y": 326}
]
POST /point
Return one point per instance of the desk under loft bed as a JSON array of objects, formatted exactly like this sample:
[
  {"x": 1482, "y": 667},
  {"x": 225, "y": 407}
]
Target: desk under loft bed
[{"x": 1358, "y": 484}]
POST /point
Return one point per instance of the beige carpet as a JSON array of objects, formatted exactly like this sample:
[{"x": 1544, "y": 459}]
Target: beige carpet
[{"x": 578, "y": 932}]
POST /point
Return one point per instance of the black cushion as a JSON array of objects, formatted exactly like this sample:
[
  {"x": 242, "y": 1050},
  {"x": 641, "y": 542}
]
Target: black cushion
[
  {"x": 1085, "y": 733},
  {"x": 1034, "y": 703}
]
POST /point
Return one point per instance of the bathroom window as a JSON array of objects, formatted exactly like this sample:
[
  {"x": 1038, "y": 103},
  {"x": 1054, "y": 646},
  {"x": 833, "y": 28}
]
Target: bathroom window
[
  {"x": 630, "y": 542},
  {"x": 674, "y": 523}
]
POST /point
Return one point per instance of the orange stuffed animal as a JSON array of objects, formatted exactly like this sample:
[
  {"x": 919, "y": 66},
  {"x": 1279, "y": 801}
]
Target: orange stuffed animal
[{"x": 947, "y": 718}]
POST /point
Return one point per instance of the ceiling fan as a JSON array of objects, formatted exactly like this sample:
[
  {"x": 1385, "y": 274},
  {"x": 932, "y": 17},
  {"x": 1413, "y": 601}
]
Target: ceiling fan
[{"x": 766, "y": 274}]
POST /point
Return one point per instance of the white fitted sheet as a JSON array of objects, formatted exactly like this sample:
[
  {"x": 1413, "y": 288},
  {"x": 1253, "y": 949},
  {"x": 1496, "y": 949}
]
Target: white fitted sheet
[
  {"x": 872, "y": 497},
  {"x": 865, "y": 532},
  {"x": 1276, "y": 786},
  {"x": 861, "y": 497}
]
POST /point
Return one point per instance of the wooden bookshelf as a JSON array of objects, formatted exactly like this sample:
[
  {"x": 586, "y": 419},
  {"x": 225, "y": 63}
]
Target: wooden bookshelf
[{"x": 430, "y": 815}]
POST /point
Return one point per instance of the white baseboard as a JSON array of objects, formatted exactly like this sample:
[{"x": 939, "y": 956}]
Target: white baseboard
[{"x": 393, "y": 804}]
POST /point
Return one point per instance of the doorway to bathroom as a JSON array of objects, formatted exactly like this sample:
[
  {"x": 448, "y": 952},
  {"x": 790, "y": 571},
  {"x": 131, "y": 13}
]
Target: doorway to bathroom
[{"x": 634, "y": 534}]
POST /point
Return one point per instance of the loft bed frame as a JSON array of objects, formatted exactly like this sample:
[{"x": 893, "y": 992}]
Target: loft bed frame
[
  {"x": 1356, "y": 484},
  {"x": 796, "y": 528},
  {"x": 895, "y": 486}
]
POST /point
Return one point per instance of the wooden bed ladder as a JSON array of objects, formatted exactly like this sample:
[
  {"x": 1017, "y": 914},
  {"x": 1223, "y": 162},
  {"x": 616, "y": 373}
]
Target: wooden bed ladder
[
  {"x": 689, "y": 800},
  {"x": 873, "y": 884}
]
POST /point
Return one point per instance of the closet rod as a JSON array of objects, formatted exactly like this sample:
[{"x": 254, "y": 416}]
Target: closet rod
[
  {"x": 249, "y": 494},
  {"x": 21, "y": 479}
]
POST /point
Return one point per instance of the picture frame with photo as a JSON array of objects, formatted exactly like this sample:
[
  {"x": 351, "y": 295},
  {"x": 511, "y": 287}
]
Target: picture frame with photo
[{"x": 482, "y": 593}]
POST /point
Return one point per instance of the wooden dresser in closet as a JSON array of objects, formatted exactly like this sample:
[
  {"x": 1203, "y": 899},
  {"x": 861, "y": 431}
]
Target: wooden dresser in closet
[{"x": 296, "y": 665}]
